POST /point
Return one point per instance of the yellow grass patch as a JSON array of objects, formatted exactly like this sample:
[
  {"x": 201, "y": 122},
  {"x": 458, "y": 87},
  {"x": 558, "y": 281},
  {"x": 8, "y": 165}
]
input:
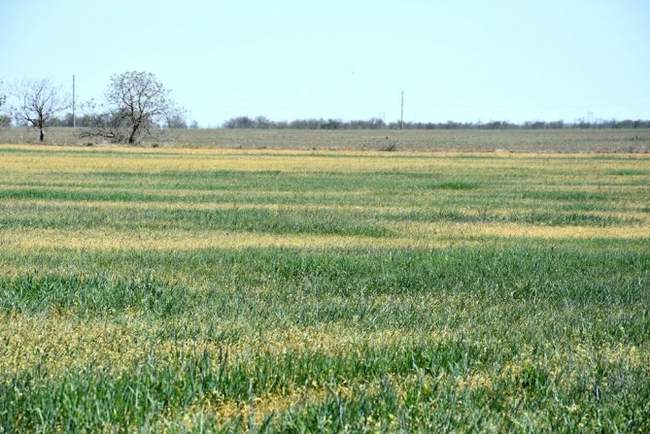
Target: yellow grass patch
[
  {"x": 413, "y": 235},
  {"x": 58, "y": 343},
  {"x": 178, "y": 240},
  {"x": 475, "y": 381},
  {"x": 514, "y": 231},
  {"x": 83, "y": 160}
]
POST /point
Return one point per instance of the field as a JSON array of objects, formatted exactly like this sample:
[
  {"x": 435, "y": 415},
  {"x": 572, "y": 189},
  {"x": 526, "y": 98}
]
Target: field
[
  {"x": 564, "y": 140},
  {"x": 178, "y": 289}
]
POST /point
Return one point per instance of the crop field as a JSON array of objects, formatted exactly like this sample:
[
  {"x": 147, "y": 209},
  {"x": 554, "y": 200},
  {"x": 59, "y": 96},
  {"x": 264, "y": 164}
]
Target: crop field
[
  {"x": 178, "y": 289},
  {"x": 467, "y": 140}
]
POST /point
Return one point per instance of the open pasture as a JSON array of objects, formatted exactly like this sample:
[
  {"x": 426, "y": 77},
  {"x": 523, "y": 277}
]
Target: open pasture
[{"x": 208, "y": 289}]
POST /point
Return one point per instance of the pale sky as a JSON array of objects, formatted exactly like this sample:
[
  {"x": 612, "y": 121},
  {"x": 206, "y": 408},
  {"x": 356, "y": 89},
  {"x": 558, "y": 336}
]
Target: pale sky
[{"x": 455, "y": 60}]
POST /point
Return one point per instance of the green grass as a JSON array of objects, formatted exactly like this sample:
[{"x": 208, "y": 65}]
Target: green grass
[{"x": 415, "y": 294}]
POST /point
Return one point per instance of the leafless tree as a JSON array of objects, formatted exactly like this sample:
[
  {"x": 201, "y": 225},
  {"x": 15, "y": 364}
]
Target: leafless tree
[
  {"x": 37, "y": 102},
  {"x": 137, "y": 103},
  {"x": 5, "y": 121},
  {"x": 175, "y": 118}
]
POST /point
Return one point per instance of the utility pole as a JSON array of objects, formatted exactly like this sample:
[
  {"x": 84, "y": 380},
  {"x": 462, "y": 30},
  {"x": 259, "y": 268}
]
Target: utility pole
[
  {"x": 74, "y": 114},
  {"x": 401, "y": 118}
]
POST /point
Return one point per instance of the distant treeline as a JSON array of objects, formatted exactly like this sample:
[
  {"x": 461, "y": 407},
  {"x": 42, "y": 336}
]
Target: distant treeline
[{"x": 262, "y": 122}]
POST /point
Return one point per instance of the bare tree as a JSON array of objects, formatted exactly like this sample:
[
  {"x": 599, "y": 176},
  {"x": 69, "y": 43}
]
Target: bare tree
[
  {"x": 175, "y": 118},
  {"x": 37, "y": 102},
  {"x": 137, "y": 101},
  {"x": 5, "y": 121}
]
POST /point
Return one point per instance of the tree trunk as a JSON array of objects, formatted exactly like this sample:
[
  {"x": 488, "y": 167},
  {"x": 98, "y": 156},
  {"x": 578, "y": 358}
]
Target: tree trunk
[
  {"x": 41, "y": 136},
  {"x": 133, "y": 131}
]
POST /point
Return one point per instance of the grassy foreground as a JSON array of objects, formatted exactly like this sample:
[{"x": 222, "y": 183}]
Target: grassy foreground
[{"x": 239, "y": 290}]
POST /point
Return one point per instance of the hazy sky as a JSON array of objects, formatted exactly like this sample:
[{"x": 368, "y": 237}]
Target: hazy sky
[{"x": 459, "y": 60}]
